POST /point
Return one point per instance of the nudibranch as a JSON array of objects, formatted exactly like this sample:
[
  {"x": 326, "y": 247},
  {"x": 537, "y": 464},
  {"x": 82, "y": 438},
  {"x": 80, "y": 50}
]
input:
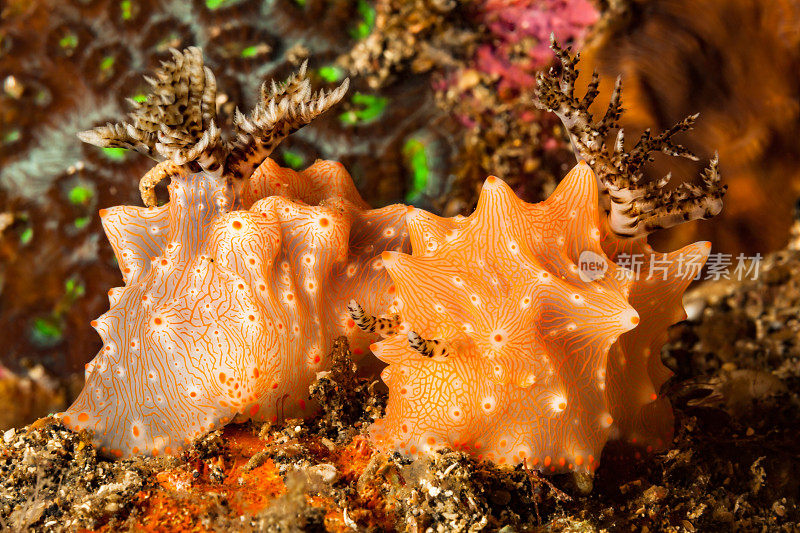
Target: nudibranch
[
  {"x": 236, "y": 288},
  {"x": 521, "y": 336},
  {"x": 508, "y": 348},
  {"x": 515, "y": 364}
]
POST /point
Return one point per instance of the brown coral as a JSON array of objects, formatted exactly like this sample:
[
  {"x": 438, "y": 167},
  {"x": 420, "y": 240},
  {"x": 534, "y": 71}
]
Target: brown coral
[{"x": 735, "y": 62}]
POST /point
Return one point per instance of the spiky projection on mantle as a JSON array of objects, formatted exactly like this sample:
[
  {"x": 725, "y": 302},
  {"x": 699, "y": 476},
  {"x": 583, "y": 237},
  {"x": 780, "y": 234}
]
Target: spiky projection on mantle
[
  {"x": 176, "y": 125},
  {"x": 634, "y": 208}
]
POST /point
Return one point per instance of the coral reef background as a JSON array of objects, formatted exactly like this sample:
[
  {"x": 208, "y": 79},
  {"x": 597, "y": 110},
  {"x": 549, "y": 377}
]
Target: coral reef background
[
  {"x": 442, "y": 97},
  {"x": 60, "y": 61},
  {"x": 734, "y": 62}
]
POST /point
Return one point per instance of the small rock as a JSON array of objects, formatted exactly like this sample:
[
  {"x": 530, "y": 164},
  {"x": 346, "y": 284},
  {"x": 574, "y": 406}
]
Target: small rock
[
  {"x": 324, "y": 472},
  {"x": 778, "y": 508},
  {"x": 13, "y": 87},
  {"x": 655, "y": 494}
]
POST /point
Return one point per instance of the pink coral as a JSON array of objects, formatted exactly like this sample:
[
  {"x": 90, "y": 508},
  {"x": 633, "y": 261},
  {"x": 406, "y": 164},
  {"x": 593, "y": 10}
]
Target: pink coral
[
  {"x": 230, "y": 313},
  {"x": 530, "y": 22},
  {"x": 517, "y": 365}
]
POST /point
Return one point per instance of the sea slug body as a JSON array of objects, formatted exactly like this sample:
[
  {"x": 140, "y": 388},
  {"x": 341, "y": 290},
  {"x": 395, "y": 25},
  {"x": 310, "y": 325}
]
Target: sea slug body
[
  {"x": 519, "y": 370},
  {"x": 226, "y": 313},
  {"x": 236, "y": 288},
  {"x": 642, "y": 415}
]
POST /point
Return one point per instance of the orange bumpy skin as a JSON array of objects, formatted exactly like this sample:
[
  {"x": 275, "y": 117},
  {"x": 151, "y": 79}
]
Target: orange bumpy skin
[
  {"x": 635, "y": 372},
  {"x": 230, "y": 313},
  {"x": 525, "y": 374}
]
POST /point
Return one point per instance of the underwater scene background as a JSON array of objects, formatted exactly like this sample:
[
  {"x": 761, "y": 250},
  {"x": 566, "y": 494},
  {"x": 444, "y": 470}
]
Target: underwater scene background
[{"x": 441, "y": 96}]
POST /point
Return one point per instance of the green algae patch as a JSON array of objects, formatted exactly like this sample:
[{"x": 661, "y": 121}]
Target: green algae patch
[
  {"x": 26, "y": 236},
  {"x": 115, "y": 154},
  {"x": 369, "y": 108},
  {"x": 82, "y": 222},
  {"x": 107, "y": 63},
  {"x": 293, "y": 159},
  {"x": 416, "y": 158},
  {"x": 364, "y": 27},
  {"x": 12, "y": 136},
  {"x": 331, "y": 73},
  {"x": 125, "y": 8},
  {"x": 250, "y": 51},
  {"x": 219, "y": 4},
  {"x": 80, "y": 195},
  {"x": 46, "y": 331},
  {"x": 68, "y": 41}
]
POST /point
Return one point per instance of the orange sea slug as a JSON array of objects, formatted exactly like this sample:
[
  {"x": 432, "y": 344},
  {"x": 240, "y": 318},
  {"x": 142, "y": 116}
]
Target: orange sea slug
[
  {"x": 516, "y": 364},
  {"x": 227, "y": 314},
  {"x": 236, "y": 288}
]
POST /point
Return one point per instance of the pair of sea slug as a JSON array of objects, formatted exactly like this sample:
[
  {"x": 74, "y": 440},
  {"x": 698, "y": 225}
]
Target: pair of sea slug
[{"x": 497, "y": 343}]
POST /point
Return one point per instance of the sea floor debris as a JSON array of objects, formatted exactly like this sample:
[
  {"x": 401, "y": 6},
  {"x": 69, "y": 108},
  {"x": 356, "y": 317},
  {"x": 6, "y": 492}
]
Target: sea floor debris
[{"x": 733, "y": 464}]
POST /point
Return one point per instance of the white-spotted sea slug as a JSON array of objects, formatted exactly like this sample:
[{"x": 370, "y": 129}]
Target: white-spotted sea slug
[
  {"x": 508, "y": 350},
  {"x": 506, "y": 347},
  {"x": 236, "y": 288},
  {"x": 521, "y": 373}
]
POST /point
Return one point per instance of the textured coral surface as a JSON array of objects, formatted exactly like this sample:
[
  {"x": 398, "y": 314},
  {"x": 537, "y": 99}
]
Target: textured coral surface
[
  {"x": 69, "y": 65},
  {"x": 522, "y": 373},
  {"x": 230, "y": 312},
  {"x": 521, "y": 30}
]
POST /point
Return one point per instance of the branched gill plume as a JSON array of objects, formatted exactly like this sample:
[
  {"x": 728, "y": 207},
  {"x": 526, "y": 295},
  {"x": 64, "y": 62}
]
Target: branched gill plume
[
  {"x": 281, "y": 110},
  {"x": 176, "y": 124},
  {"x": 634, "y": 208}
]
